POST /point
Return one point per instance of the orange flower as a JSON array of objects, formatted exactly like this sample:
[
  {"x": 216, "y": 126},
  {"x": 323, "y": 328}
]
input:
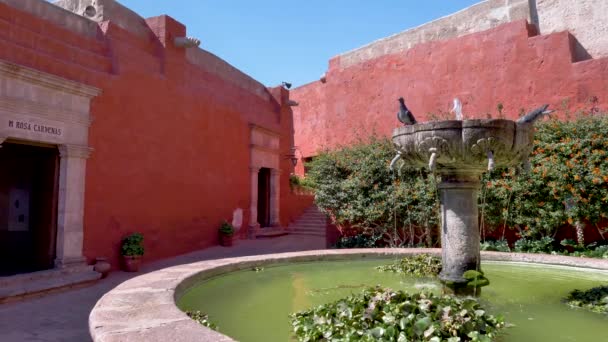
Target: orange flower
[
  {"x": 577, "y": 177},
  {"x": 570, "y": 220}
]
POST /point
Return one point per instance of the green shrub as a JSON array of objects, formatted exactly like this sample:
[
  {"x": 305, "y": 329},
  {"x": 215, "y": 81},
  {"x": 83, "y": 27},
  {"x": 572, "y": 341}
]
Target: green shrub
[
  {"x": 592, "y": 250},
  {"x": 497, "y": 246},
  {"x": 226, "y": 228},
  {"x": 595, "y": 299},
  {"x": 202, "y": 319},
  {"x": 358, "y": 241},
  {"x": 420, "y": 265},
  {"x": 356, "y": 188},
  {"x": 132, "y": 245},
  {"x": 379, "y": 314},
  {"x": 542, "y": 245}
]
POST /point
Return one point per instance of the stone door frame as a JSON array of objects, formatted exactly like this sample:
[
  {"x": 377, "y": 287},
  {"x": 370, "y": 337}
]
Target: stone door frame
[
  {"x": 264, "y": 147},
  {"x": 37, "y": 107}
]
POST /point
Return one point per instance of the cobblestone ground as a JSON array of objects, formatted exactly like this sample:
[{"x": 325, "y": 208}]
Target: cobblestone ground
[{"x": 64, "y": 316}]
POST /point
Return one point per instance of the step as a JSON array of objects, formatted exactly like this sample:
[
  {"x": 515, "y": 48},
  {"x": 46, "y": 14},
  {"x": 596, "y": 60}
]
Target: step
[
  {"x": 311, "y": 220},
  {"x": 317, "y": 222},
  {"x": 42, "y": 275},
  {"x": 20, "y": 286},
  {"x": 296, "y": 227},
  {"x": 308, "y": 229},
  {"x": 307, "y": 234},
  {"x": 270, "y": 233}
]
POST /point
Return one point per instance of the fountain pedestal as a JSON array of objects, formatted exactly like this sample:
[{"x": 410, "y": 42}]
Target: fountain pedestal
[
  {"x": 459, "y": 230},
  {"x": 460, "y": 151}
]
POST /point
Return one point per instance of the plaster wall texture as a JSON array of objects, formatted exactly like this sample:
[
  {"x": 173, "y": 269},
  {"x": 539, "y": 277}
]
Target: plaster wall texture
[
  {"x": 171, "y": 138},
  {"x": 585, "y": 19},
  {"x": 508, "y": 64}
]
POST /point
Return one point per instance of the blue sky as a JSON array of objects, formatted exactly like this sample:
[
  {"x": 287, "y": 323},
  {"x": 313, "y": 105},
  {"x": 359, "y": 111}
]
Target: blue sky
[{"x": 275, "y": 41}]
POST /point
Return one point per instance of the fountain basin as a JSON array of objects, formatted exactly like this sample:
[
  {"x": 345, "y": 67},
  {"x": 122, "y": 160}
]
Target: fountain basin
[{"x": 144, "y": 308}]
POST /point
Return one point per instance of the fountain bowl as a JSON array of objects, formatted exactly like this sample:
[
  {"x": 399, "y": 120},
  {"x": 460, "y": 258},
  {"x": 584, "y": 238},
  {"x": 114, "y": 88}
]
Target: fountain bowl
[{"x": 463, "y": 146}]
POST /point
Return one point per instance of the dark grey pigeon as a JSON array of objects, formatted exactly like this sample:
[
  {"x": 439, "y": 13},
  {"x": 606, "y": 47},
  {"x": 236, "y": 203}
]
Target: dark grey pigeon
[
  {"x": 404, "y": 115},
  {"x": 535, "y": 114}
]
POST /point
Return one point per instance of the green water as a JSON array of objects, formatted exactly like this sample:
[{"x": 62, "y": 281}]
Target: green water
[{"x": 254, "y": 306}]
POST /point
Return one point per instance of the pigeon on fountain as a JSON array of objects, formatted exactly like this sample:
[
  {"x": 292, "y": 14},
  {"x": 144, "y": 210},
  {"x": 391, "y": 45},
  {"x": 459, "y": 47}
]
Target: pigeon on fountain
[
  {"x": 535, "y": 114},
  {"x": 404, "y": 115},
  {"x": 457, "y": 110}
]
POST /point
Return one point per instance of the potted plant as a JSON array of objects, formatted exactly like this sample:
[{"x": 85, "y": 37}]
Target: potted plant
[
  {"x": 226, "y": 234},
  {"x": 132, "y": 250}
]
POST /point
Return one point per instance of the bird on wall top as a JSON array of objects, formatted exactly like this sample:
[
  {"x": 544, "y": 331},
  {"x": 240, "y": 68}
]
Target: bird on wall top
[
  {"x": 534, "y": 115},
  {"x": 405, "y": 115}
]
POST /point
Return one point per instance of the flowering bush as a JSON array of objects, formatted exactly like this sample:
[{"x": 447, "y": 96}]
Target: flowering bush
[{"x": 566, "y": 186}]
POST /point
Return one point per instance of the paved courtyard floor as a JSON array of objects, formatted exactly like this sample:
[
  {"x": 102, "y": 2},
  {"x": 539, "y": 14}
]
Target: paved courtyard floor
[{"x": 64, "y": 316}]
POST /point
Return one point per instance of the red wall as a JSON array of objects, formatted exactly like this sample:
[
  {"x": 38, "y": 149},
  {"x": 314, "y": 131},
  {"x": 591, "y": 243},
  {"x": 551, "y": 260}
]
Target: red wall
[
  {"x": 171, "y": 139},
  {"x": 507, "y": 64}
]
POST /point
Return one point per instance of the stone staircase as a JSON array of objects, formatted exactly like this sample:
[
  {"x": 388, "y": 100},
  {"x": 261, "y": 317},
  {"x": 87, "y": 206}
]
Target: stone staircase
[{"x": 311, "y": 223}]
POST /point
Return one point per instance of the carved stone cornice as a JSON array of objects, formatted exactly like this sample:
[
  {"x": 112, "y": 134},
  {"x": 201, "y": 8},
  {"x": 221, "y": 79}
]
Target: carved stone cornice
[
  {"x": 264, "y": 148},
  {"x": 75, "y": 151},
  {"x": 264, "y": 129},
  {"x": 46, "y": 80},
  {"x": 14, "y": 105},
  {"x": 254, "y": 169}
]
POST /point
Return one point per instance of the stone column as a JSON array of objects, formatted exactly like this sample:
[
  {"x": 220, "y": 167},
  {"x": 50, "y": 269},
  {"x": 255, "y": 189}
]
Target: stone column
[
  {"x": 70, "y": 216},
  {"x": 254, "y": 226},
  {"x": 275, "y": 197},
  {"x": 459, "y": 229}
]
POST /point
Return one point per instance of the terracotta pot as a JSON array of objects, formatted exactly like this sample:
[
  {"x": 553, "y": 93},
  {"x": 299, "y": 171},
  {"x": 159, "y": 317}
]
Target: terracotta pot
[
  {"x": 226, "y": 240},
  {"x": 131, "y": 263},
  {"x": 102, "y": 266}
]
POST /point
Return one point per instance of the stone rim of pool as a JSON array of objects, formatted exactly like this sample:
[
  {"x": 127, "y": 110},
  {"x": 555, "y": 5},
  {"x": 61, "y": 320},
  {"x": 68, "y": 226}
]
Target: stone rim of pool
[{"x": 144, "y": 308}]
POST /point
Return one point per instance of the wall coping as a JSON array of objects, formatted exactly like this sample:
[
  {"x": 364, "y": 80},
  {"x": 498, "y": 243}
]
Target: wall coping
[
  {"x": 144, "y": 308},
  {"x": 478, "y": 17}
]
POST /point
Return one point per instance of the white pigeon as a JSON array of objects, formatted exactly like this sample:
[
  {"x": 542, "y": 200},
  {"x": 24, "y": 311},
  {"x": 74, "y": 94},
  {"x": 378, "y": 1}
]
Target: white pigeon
[{"x": 457, "y": 110}]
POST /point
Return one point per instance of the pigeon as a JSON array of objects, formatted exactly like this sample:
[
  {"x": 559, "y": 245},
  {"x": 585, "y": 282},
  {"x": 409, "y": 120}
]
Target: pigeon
[
  {"x": 535, "y": 114},
  {"x": 404, "y": 115},
  {"x": 457, "y": 109}
]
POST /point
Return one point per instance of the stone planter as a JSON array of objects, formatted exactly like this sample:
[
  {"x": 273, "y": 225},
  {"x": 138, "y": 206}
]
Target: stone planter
[
  {"x": 102, "y": 266},
  {"x": 226, "y": 240},
  {"x": 131, "y": 263}
]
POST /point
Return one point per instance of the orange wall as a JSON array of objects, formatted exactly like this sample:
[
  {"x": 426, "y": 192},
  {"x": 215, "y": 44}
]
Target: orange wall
[
  {"x": 508, "y": 64},
  {"x": 171, "y": 139}
]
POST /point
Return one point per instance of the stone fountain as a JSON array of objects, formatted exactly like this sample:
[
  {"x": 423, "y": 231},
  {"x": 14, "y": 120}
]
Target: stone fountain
[{"x": 460, "y": 151}]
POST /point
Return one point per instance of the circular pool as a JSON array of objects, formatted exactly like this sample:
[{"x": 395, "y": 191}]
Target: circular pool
[{"x": 253, "y": 306}]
